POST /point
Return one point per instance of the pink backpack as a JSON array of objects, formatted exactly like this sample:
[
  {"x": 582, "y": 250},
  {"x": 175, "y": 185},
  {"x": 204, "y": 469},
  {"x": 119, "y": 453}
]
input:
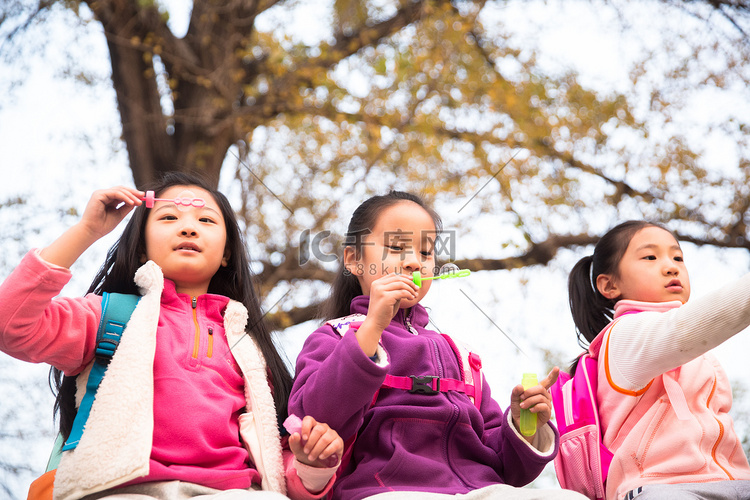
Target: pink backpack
[{"x": 583, "y": 461}]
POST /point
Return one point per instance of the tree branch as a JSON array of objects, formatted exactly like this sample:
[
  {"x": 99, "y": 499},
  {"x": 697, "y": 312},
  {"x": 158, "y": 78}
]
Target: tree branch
[
  {"x": 150, "y": 148},
  {"x": 275, "y": 101}
]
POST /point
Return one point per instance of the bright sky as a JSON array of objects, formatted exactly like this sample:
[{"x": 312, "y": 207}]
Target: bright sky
[{"x": 41, "y": 156}]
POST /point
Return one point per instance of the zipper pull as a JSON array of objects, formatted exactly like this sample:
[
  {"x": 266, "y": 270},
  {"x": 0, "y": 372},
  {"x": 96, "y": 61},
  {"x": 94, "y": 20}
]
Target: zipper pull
[
  {"x": 210, "y": 351},
  {"x": 195, "y": 302},
  {"x": 408, "y": 324}
]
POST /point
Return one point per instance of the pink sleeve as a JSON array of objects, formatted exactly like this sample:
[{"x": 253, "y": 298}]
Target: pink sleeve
[
  {"x": 301, "y": 479},
  {"x": 295, "y": 488},
  {"x": 38, "y": 329}
]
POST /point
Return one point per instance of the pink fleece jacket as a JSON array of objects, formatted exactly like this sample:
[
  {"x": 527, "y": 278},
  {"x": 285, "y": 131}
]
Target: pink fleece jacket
[{"x": 199, "y": 389}]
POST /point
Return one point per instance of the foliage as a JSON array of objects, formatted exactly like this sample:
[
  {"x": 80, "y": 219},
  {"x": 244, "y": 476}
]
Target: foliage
[{"x": 431, "y": 96}]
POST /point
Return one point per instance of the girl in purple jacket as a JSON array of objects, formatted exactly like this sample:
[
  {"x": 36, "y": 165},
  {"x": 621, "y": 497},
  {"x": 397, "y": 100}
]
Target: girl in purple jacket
[{"x": 433, "y": 442}]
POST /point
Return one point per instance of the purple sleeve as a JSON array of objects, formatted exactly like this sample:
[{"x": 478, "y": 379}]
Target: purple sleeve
[
  {"x": 35, "y": 328},
  {"x": 335, "y": 381}
]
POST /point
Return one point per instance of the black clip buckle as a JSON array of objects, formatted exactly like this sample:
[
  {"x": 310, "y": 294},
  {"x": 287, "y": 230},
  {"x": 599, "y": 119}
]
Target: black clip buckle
[
  {"x": 104, "y": 351},
  {"x": 423, "y": 384}
]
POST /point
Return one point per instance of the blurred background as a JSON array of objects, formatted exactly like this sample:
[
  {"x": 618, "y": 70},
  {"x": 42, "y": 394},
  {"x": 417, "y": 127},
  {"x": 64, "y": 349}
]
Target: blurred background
[{"x": 531, "y": 126}]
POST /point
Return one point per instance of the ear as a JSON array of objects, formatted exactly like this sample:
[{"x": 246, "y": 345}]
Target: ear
[
  {"x": 351, "y": 260},
  {"x": 607, "y": 286},
  {"x": 225, "y": 259},
  {"x": 143, "y": 259}
]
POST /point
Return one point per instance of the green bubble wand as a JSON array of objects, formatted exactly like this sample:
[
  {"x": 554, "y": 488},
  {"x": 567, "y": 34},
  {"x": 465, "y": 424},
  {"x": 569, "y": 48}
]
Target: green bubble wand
[{"x": 447, "y": 271}]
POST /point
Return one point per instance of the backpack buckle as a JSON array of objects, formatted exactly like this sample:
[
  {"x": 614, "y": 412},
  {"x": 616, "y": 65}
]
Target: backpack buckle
[
  {"x": 105, "y": 351},
  {"x": 475, "y": 361},
  {"x": 423, "y": 384}
]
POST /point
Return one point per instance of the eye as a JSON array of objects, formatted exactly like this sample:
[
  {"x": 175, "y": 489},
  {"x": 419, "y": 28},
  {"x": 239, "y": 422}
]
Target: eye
[
  {"x": 678, "y": 258},
  {"x": 208, "y": 220},
  {"x": 650, "y": 257},
  {"x": 168, "y": 217},
  {"x": 395, "y": 248},
  {"x": 426, "y": 253}
]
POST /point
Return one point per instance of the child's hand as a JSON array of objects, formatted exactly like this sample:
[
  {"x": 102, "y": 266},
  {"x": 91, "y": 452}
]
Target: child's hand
[
  {"x": 537, "y": 399},
  {"x": 99, "y": 218},
  {"x": 386, "y": 294},
  {"x": 316, "y": 444},
  {"x": 102, "y": 215}
]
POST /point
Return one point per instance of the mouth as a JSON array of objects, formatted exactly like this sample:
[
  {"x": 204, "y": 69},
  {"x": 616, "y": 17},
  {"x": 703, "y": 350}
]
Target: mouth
[
  {"x": 674, "y": 285},
  {"x": 187, "y": 246}
]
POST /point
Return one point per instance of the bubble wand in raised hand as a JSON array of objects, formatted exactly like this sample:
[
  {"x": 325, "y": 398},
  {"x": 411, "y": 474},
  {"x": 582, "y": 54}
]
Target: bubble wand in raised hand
[{"x": 185, "y": 200}]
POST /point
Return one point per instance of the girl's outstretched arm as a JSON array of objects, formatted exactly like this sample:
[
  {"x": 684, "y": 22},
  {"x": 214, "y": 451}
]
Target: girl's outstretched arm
[
  {"x": 642, "y": 346},
  {"x": 104, "y": 211}
]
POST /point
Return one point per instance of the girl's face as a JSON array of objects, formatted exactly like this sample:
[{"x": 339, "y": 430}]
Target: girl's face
[
  {"x": 651, "y": 270},
  {"x": 188, "y": 243},
  {"x": 402, "y": 241}
]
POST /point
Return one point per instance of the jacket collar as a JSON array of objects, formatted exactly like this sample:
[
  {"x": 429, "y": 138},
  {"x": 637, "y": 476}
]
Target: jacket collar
[
  {"x": 211, "y": 303},
  {"x": 623, "y": 307}
]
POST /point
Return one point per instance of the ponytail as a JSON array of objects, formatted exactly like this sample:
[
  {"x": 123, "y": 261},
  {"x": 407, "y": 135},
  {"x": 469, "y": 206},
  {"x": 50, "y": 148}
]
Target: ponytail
[
  {"x": 344, "y": 288},
  {"x": 590, "y": 309}
]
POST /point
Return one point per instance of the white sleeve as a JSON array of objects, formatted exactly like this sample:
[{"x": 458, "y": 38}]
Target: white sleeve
[{"x": 645, "y": 345}]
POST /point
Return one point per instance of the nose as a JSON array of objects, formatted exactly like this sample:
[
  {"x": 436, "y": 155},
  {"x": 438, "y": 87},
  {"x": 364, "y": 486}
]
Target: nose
[
  {"x": 411, "y": 261},
  {"x": 671, "y": 268},
  {"x": 188, "y": 230}
]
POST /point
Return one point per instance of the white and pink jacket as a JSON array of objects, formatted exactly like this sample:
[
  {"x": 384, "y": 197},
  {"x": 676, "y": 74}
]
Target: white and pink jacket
[
  {"x": 663, "y": 399},
  {"x": 177, "y": 403}
]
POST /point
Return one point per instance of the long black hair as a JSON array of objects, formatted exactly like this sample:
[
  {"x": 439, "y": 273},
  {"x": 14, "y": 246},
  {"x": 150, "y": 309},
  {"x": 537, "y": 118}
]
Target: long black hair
[
  {"x": 591, "y": 310},
  {"x": 234, "y": 281},
  {"x": 346, "y": 285}
]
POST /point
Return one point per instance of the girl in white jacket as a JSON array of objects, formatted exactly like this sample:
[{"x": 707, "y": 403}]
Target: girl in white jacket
[
  {"x": 191, "y": 401},
  {"x": 663, "y": 400}
]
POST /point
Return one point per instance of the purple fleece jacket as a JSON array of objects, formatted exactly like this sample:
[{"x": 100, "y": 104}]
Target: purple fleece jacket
[{"x": 408, "y": 442}]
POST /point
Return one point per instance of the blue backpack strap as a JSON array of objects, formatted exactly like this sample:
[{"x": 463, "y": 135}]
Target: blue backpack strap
[{"x": 116, "y": 311}]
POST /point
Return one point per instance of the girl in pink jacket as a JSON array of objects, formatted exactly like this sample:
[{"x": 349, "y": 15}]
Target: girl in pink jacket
[
  {"x": 191, "y": 401},
  {"x": 664, "y": 401}
]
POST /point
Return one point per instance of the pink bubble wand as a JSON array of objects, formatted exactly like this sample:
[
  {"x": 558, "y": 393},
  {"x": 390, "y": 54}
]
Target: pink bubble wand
[
  {"x": 294, "y": 424},
  {"x": 186, "y": 199}
]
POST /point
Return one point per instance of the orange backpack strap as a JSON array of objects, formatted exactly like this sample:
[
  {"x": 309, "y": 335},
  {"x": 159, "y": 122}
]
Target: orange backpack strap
[{"x": 41, "y": 487}]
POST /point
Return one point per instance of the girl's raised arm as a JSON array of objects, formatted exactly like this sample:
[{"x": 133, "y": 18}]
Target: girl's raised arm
[
  {"x": 104, "y": 211},
  {"x": 645, "y": 345}
]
